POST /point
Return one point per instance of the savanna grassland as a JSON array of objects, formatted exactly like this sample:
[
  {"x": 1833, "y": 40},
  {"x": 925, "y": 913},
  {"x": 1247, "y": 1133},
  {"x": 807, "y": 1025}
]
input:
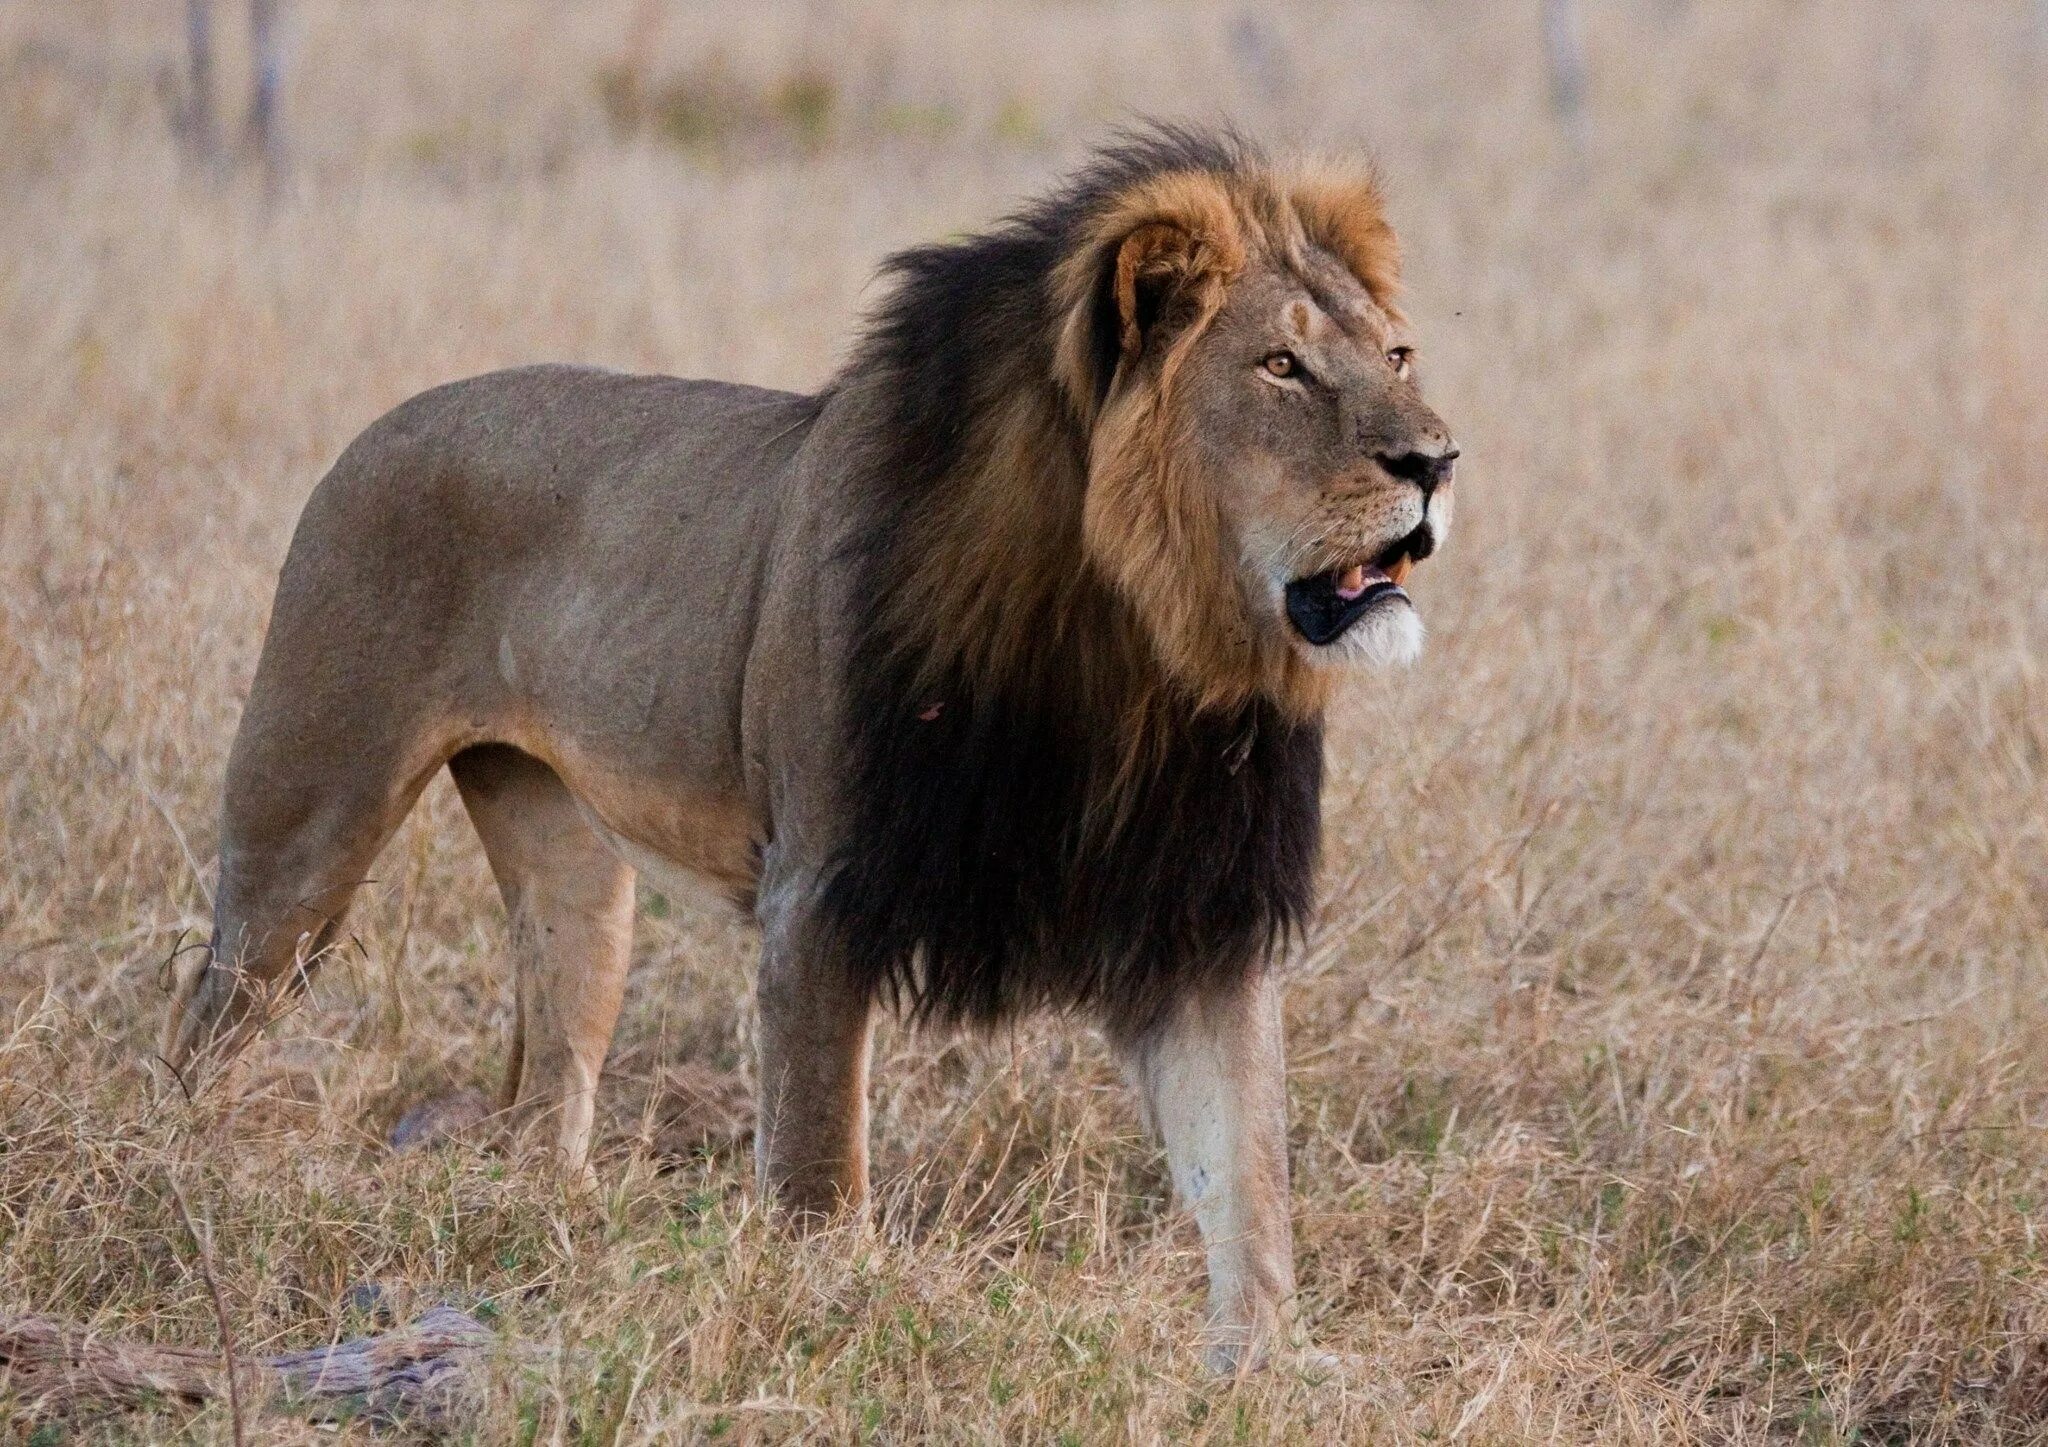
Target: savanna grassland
[{"x": 1671, "y": 1056}]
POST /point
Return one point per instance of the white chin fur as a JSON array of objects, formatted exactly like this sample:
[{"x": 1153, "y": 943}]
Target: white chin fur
[{"x": 1388, "y": 635}]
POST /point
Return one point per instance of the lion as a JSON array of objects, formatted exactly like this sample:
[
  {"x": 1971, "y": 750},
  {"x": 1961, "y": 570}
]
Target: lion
[{"x": 989, "y": 679}]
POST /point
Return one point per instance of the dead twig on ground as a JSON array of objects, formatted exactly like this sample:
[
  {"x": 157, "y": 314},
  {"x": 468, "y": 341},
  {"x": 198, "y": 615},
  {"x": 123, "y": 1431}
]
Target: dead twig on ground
[{"x": 424, "y": 1373}]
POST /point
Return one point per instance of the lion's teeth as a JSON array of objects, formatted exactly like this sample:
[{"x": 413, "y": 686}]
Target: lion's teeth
[{"x": 1352, "y": 582}]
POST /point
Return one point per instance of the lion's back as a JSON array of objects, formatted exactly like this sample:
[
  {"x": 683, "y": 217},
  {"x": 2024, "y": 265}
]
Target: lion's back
[
  {"x": 526, "y": 443},
  {"x": 514, "y": 500},
  {"x": 490, "y": 469}
]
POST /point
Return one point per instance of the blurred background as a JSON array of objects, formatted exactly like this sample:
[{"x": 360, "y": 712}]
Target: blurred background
[{"x": 1670, "y": 1055}]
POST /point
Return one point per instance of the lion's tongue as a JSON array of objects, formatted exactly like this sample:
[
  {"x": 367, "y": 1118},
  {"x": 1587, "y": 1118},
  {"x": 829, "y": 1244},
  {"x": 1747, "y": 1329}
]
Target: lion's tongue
[{"x": 1356, "y": 579}]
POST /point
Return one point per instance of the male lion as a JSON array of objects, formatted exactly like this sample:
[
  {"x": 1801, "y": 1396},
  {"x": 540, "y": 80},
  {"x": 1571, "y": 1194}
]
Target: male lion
[{"x": 988, "y": 679}]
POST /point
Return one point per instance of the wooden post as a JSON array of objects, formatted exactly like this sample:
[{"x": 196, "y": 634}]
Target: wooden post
[
  {"x": 195, "y": 112},
  {"x": 1564, "y": 54},
  {"x": 267, "y": 65}
]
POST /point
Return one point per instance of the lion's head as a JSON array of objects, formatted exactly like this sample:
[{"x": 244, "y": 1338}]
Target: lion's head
[
  {"x": 1263, "y": 472},
  {"x": 1162, "y": 427}
]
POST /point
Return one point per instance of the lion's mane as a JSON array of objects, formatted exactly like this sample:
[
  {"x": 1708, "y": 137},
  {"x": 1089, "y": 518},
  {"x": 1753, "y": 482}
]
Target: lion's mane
[{"x": 1056, "y": 798}]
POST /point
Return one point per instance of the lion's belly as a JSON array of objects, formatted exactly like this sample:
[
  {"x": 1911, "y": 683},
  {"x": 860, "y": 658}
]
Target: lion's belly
[
  {"x": 694, "y": 839},
  {"x": 632, "y": 702},
  {"x": 700, "y": 877}
]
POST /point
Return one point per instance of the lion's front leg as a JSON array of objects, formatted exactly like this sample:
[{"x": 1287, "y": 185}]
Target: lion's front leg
[
  {"x": 1213, "y": 1080},
  {"x": 811, "y": 1132}
]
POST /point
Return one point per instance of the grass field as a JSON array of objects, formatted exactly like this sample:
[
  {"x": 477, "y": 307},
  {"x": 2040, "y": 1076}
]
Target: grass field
[{"x": 1671, "y": 1057}]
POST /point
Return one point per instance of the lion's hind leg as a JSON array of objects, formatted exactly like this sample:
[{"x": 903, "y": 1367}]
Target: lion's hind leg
[
  {"x": 303, "y": 823},
  {"x": 569, "y": 907}
]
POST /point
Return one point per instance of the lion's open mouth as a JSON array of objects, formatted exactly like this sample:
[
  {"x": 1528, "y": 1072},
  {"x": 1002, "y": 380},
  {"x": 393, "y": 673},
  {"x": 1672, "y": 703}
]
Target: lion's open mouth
[{"x": 1322, "y": 606}]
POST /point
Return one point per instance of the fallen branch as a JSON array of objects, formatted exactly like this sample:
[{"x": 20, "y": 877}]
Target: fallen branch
[{"x": 428, "y": 1372}]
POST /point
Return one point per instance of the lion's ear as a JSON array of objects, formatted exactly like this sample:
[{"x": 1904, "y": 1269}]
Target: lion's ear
[
  {"x": 1154, "y": 266},
  {"x": 1157, "y": 260}
]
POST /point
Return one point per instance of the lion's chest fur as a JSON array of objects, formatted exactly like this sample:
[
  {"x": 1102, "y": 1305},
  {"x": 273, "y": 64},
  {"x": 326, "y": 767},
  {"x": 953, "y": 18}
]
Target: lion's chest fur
[{"x": 998, "y": 862}]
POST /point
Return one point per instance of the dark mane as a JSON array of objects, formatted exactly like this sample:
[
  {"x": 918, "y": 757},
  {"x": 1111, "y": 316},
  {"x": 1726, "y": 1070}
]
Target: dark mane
[
  {"x": 1037, "y": 816},
  {"x": 982, "y": 308}
]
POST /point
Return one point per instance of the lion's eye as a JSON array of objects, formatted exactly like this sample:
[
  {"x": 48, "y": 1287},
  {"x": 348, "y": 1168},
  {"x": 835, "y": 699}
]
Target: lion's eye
[
  {"x": 1282, "y": 364},
  {"x": 1402, "y": 360}
]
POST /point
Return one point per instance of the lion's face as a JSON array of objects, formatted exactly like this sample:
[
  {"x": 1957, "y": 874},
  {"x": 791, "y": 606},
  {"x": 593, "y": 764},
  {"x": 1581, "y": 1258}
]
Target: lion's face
[
  {"x": 1301, "y": 402},
  {"x": 1262, "y": 470}
]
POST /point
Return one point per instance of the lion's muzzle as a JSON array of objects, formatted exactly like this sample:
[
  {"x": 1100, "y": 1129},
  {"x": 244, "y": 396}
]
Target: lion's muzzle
[{"x": 1324, "y": 605}]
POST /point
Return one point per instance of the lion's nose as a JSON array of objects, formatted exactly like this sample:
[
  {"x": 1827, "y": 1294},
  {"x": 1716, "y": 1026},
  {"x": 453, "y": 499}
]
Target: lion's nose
[{"x": 1427, "y": 470}]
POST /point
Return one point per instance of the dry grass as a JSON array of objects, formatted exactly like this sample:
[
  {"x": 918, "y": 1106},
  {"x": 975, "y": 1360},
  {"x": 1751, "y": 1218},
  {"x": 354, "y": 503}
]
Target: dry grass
[{"x": 1670, "y": 1059}]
